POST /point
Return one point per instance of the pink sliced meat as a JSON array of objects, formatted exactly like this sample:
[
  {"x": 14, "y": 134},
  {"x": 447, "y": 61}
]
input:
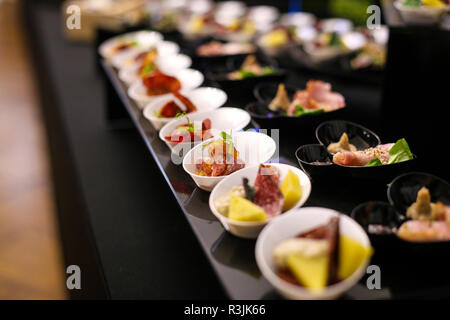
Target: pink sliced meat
[
  {"x": 318, "y": 95},
  {"x": 361, "y": 158},
  {"x": 267, "y": 193}
]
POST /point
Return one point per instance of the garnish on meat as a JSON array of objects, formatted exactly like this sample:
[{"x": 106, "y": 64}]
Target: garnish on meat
[
  {"x": 250, "y": 68},
  {"x": 430, "y": 221},
  {"x": 342, "y": 145},
  {"x": 189, "y": 132},
  {"x": 318, "y": 95},
  {"x": 220, "y": 158},
  {"x": 380, "y": 155},
  {"x": 281, "y": 100}
]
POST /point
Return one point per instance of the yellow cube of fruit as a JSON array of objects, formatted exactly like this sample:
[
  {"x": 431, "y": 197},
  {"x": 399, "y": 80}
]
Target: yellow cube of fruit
[
  {"x": 242, "y": 209},
  {"x": 351, "y": 255},
  {"x": 291, "y": 190},
  {"x": 311, "y": 272}
]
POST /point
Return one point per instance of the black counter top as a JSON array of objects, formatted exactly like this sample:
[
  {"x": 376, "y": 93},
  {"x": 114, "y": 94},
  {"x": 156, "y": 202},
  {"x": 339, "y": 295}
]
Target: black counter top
[{"x": 140, "y": 243}]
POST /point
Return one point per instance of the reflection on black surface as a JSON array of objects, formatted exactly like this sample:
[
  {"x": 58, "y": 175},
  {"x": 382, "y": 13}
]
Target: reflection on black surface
[{"x": 236, "y": 253}]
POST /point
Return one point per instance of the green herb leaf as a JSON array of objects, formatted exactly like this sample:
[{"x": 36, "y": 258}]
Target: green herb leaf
[
  {"x": 300, "y": 111},
  {"x": 400, "y": 152},
  {"x": 190, "y": 127},
  {"x": 412, "y": 3},
  {"x": 267, "y": 71},
  {"x": 246, "y": 74},
  {"x": 147, "y": 70},
  {"x": 228, "y": 139},
  {"x": 335, "y": 40},
  {"x": 373, "y": 163}
]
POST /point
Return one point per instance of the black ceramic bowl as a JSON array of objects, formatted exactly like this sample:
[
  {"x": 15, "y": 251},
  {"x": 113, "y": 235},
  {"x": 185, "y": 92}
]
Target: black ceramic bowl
[
  {"x": 242, "y": 88},
  {"x": 315, "y": 160},
  {"x": 384, "y": 173},
  {"x": 266, "y": 91},
  {"x": 402, "y": 191},
  {"x": 300, "y": 128},
  {"x": 380, "y": 220},
  {"x": 331, "y": 131}
]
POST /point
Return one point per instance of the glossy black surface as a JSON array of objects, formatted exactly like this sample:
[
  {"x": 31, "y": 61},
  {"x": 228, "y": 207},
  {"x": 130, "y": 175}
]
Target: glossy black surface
[
  {"x": 380, "y": 214},
  {"x": 136, "y": 230},
  {"x": 265, "y": 92},
  {"x": 384, "y": 173},
  {"x": 316, "y": 161},
  {"x": 402, "y": 191},
  {"x": 361, "y": 137}
]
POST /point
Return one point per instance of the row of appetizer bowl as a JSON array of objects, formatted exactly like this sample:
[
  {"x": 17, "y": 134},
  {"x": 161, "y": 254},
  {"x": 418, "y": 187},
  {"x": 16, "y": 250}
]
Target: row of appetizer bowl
[
  {"x": 234, "y": 20},
  {"x": 303, "y": 252},
  {"x": 306, "y": 38}
]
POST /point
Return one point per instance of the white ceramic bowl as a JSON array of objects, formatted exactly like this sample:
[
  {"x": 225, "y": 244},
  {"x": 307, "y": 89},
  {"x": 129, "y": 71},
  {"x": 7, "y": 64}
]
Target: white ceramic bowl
[
  {"x": 170, "y": 64},
  {"x": 253, "y": 147},
  {"x": 204, "y": 98},
  {"x": 353, "y": 40},
  {"x": 222, "y": 119},
  {"x": 288, "y": 226},
  {"x": 263, "y": 14},
  {"x": 298, "y": 19},
  {"x": 189, "y": 79},
  {"x": 251, "y": 230},
  {"x": 420, "y": 15},
  {"x": 166, "y": 49},
  {"x": 144, "y": 39},
  {"x": 337, "y": 25}
]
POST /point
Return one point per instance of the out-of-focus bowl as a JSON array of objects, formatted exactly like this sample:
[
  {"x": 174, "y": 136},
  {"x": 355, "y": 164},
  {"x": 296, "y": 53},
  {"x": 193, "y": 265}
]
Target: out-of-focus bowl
[
  {"x": 189, "y": 79},
  {"x": 288, "y": 226},
  {"x": 204, "y": 98},
  {"x": 222, "y": 119}
]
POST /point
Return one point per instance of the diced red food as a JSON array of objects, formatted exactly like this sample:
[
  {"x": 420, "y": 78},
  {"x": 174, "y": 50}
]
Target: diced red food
[
  {"x": 267, "y": 193},
  {"x": 183, "y": 135},
  {"x": 170, "y": 110},
  {"x": 187, "y": 103}
]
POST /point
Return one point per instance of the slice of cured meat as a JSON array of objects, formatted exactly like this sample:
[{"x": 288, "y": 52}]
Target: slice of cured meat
[
  {"x": 329, "y": 232},
  {"x": 267, "y": 193}
]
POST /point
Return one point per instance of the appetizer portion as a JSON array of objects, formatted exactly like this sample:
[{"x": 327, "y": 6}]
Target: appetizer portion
[
  {"x": 425, "y": 3},
  {"x": 180, "y": 105},
  {"x": 317, "y": 98},
  {"x": 381, "y": 155},
  {"x": 370, "y": 55},
  {"x": 158, "y": 83},
  {"x": 251, "y": 68},
  {"x": 342, "y": 145},
  {"x": 190, "y": 132},
  {"x": 320, "y": 257},
  {"x": 219, "y": 158},
  {"x": 217, "y": 48},
  {"x": 278, "y": 37},
  {"x": 267, "y": 198},
  {"x": 429, "y": 221}
]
